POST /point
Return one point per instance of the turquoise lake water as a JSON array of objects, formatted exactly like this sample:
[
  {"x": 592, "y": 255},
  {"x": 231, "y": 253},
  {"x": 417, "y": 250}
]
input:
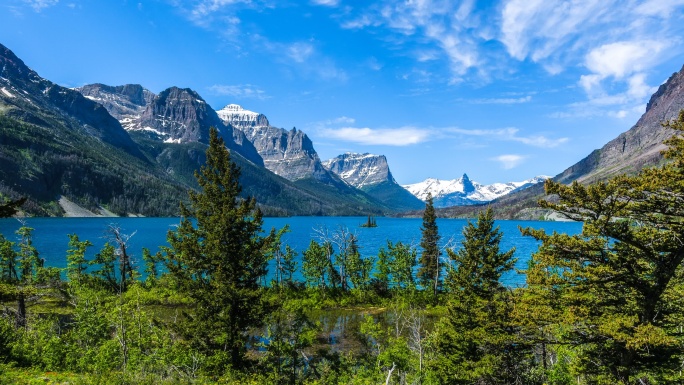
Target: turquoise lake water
[{"x": 51, "y": 240}]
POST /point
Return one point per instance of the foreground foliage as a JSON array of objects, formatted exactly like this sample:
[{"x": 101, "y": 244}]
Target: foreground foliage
[{"x": 601, "y": 307}]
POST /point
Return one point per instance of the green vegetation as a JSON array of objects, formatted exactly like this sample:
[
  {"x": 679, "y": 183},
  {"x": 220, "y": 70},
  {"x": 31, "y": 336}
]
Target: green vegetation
[
  {"x": 429, "y": 271},
  {"x": 601, "y": 307}
]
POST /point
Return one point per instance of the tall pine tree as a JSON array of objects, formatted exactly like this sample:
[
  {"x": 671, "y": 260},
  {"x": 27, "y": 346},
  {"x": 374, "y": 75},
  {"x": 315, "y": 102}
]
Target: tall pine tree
[
  {"x": 218, "y": 260},
  {"x": 429, "y": 271},
  {"x": 478, "y": 341}
]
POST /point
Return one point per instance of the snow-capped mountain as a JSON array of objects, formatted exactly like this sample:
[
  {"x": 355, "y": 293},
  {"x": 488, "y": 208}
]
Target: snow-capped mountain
[
  {"x": 240, "y": 118},
  {"x": 360, "y": 170},
  {"x": 463, "y": 191},
  {"x": 371, "y": 174}
]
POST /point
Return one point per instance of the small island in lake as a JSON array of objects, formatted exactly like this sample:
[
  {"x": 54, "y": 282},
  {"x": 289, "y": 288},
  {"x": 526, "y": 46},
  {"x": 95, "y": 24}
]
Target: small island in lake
[{"x": 370, "y": 222}]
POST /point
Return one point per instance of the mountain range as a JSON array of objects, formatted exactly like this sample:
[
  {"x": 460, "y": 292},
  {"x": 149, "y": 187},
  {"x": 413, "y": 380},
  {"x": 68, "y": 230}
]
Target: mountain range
[
  {"x": 464, "y": 192},
  {"x": 127, "y": 151},
  {"x": 124, "y": 150}
]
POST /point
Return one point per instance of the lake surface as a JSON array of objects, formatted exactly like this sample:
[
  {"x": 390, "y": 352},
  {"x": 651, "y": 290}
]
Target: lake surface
[{"x": 51, "y": 240}]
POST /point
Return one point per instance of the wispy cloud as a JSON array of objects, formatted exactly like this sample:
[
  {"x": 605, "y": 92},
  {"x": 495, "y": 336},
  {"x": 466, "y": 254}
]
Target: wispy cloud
[
  {"x": 205, "y": 10},
  {"x": 524, "y": 99},
  {"x": 511, "y": 134},
  {"x": 509, "y": 161},
  {"x": 441, "y": 29},
  {"x": 616, "y": 42},
  {"x": 242, "y": 91},
  {"x": 300, "y": 51},
  {"x": 327, "y": 3},
  {"x": 39, "y": 5},
  {"x": 343, "y": 128}
]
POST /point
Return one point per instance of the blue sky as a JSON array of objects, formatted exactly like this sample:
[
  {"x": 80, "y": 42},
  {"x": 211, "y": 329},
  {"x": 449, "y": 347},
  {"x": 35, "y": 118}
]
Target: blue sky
[{"x": 500, "y": 90}]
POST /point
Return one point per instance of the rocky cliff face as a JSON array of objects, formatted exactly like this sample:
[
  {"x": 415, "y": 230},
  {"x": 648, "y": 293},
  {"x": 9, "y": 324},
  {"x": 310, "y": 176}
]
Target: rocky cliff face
[
  {"x": 360, "y": 170},
  {"x": 371, "y": 174},
  {"x": 638, "y": 147},
  {"x": 289, "y": 154},
  {"x": 180, "y": 115},
  {"x": 126, "y": 103}
]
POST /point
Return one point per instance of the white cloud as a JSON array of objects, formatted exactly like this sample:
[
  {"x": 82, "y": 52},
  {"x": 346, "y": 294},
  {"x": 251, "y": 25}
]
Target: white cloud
[
  {"x": 617, "y": 42},
  {"x": 511, "y": 134},
  {"x": 341, "y": 120},
  {"x": 523, "y": 99},
  {"x": 39, "y": 5},
  {"x": 242, "y": 91},
  {"x": 327, "y": 3},
  {"x": 662, "y": 8},
  {"x": 207, "y": 8},
  {"x": 621, "y": 59},
  {"x": 403, "y": 136},
  {"x": 622, "y": 65},
  {"x": 300, "y": 51},
  {"x": 509, "y": 161}
]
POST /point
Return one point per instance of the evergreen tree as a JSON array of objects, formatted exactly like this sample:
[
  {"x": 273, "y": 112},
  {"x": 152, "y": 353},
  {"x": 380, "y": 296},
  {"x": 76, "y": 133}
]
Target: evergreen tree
[
  {"x": 219, "y": 262},
  {"x": 395, "y": 266},
  {"x": 315, "y": 265},
  {"x": 76, "y": 261},
  {"x": 479, "y": 263},
  {"x": 429, "y": 271},
  {"x": 617, "y": 281},
  {"x": 478, "y": 341}
]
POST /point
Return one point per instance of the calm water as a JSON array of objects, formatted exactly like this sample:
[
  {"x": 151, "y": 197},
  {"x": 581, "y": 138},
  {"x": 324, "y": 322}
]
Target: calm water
[{"x": 51, "y": 241}]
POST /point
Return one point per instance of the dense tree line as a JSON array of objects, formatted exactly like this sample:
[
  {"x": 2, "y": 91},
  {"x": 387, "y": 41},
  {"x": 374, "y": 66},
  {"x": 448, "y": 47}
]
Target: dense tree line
[{"x": 600, "y": 307}]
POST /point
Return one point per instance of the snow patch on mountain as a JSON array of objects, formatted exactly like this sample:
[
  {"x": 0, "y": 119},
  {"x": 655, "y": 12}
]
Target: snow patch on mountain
[
  {"x": 360, "y": 170},
  {"x": 240, "y": 118},
  {"x": 463, "y": 191}
]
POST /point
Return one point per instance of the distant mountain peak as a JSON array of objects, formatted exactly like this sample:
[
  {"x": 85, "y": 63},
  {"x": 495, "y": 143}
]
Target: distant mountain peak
[
  {"x": 360, "y": 170},
  {"x": 468, "y": 185},
  {"x": 463, "y": 191},
  {"x": 371, "y": 173}
]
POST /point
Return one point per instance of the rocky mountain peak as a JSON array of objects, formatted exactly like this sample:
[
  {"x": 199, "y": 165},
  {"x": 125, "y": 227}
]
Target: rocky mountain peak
[
  {"x": 468, "y": 185},
  {"x": 13, "y": 69},
  {"x": 180, "y": 115},
  {"x": 360, "y": 170},
  {"x": 126, "y": 103}
]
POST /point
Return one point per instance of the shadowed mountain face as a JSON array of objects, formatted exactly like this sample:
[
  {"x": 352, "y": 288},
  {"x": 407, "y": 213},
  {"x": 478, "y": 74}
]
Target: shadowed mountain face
[
  {"x": 176, "y": 115},
  {"x": 27, "y": 96},
  {"x": 56, "y": 144}
]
